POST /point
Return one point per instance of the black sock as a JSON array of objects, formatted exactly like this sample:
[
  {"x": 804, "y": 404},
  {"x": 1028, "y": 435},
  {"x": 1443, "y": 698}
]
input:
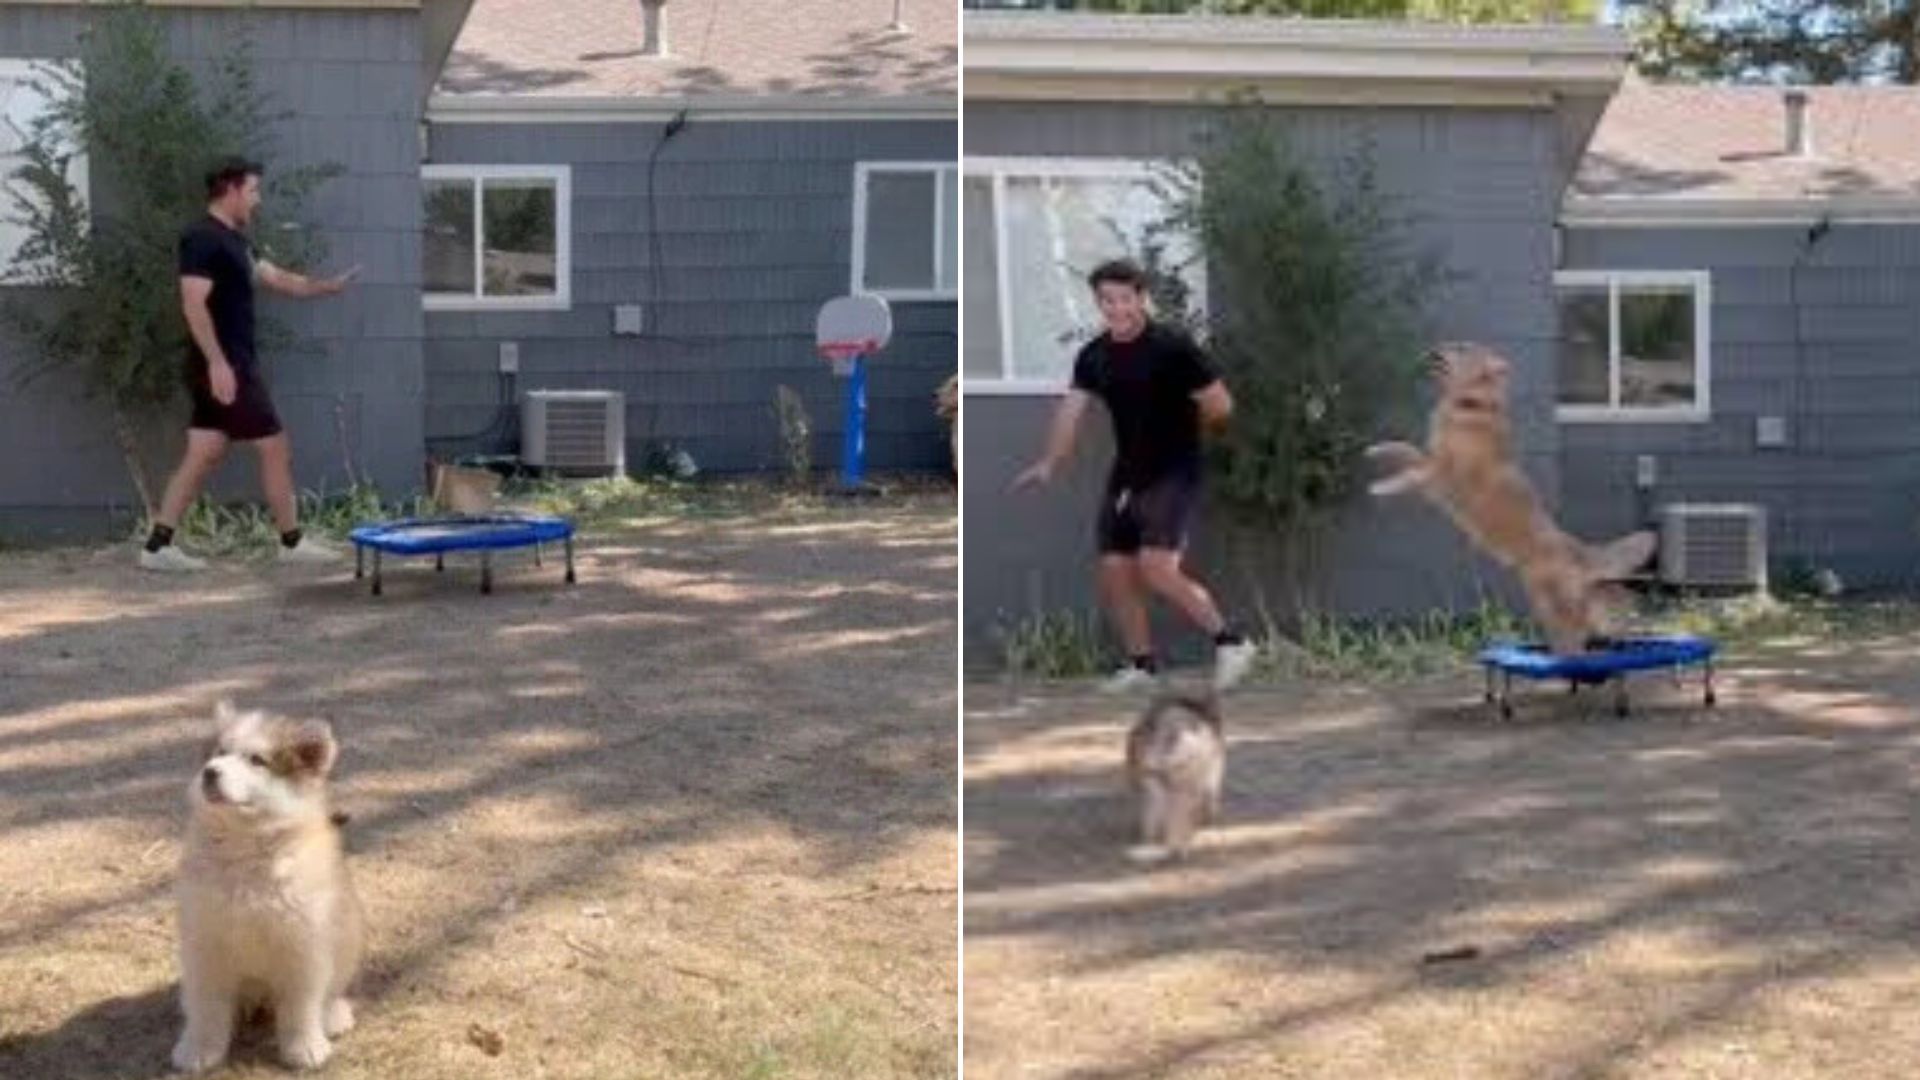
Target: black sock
[
  {"x": 290, "y": 538},
  {"x": 1144, "y": 662},
  {"x": 160, "y": 537},
  {"x": 1228, "y": 636}
]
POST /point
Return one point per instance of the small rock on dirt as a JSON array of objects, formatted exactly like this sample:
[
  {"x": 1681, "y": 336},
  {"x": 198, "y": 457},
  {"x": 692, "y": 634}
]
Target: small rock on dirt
[
  {"x": 490, "y": 1042},
  {"x": 1443, "y": 956}
]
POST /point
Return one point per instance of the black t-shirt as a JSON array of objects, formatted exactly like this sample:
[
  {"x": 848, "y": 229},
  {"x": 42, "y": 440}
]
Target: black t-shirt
[
  {"x": 211, "y": 250},
  {"x": 1148, "y": 385}
]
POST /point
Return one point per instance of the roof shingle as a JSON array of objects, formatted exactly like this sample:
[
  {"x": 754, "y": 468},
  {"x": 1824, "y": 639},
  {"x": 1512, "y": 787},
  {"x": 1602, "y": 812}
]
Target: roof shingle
[
  {"x": 730, "y": 48},
  {"x": 1730, "y": 143}
]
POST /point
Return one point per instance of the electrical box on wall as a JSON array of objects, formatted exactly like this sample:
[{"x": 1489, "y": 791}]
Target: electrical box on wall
[
  {"x": 509, "y": 358},
  {"x": 1646, "y": 471},
  {"x": 1770, "y": 431},
  {"x": 626, "y": 320}
]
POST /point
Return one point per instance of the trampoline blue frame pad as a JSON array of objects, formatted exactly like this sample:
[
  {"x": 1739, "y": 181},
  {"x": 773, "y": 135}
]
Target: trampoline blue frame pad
[
  {"x": 1625, "y": 655},
  {"x": 431, "y": 536}
]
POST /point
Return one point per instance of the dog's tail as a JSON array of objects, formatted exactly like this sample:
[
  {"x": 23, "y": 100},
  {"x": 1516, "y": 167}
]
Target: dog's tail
[{"x": 1618, "y": 559}]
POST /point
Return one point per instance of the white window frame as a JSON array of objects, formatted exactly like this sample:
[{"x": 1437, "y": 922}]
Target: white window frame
[
  {"x": 998, "y": 170},
  {"x": 946, "y": 175},
  {"x": 1701, "y": 283},
  {"x": 77, "y": 174},
  {"x": 562, "y": 178}
]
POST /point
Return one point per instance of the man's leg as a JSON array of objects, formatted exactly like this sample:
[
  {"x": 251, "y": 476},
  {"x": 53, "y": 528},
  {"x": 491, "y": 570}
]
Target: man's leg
[
  {"x": 205, "y": 448},
  {"x": 1160, "y": 569},
  {"x": 276, "y": 481},
  {"x": 1122, "y": 593},
  {"x": 1165, "y": 510}
]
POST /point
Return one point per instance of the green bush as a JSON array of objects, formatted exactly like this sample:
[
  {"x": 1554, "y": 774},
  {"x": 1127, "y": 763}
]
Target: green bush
[{"x": 1315, "y": 318}]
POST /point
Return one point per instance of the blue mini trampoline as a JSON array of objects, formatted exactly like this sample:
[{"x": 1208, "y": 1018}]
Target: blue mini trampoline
[
  {"x": 1606, "y": 661},
  {"x": 437, "y": 536}
]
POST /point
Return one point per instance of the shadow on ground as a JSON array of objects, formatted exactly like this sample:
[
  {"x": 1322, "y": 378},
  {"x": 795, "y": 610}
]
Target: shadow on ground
[
  {"x": 673, "y": 780},
  {"x": 1684, "y": 892}
]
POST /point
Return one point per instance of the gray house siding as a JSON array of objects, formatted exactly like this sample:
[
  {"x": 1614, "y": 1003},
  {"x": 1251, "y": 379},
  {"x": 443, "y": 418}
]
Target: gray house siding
[
  {"x": 1829, "y": 346},
  {"x": 351, "y": 78},
  {"x": 1482, "y": 181},
  {"x": 755, "y": 222}
]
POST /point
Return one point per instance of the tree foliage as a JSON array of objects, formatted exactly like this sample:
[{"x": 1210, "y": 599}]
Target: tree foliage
[
  {"x": 1461, "y": 11},
  {"x": 1315, "y": 318},
  {"x": 1786, "y": 41}
]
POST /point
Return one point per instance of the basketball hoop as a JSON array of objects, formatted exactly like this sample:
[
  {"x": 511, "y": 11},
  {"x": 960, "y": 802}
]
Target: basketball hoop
[
  {"x": 842, "y": 355},
  {"x": 850, "y": 330}
]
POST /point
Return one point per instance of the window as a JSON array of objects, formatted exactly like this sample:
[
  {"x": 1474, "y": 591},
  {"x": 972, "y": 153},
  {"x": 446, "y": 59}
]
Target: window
[
  {"x": 904, "y": 220},
  {"x": 1035, "y": 230},
  {"x": 1634, "y": 345},
  {"x": 21, "y": 104},
  {"x": 497, "y": 237}
]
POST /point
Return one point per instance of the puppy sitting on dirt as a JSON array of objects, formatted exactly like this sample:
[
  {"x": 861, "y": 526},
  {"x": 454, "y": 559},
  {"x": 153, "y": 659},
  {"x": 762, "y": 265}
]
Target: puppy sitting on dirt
[
  {"x": 1176, "y": 760},
  {"x": 268, "y": 915}
]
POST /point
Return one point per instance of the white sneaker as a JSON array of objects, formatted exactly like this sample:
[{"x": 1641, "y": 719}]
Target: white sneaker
[
  {"x": 1129, "y": 680},
  {"x": 310, "y": 551},
  {"x": 170, "y": 560},
  {"x": 1231, "y": 663}
]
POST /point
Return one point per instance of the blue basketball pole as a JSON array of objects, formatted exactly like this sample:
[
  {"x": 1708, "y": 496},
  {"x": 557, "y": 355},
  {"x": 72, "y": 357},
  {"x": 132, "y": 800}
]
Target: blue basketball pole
[{"x": 853, "y": 443}]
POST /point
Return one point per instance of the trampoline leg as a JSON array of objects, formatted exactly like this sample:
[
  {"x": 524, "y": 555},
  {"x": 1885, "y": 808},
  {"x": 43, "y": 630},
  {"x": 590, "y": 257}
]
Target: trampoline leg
[
  {"x": 1506, "y": 695},
  {"x": 440, "y": 560},
  {"x": 486, "y": 571},
  {"x": 1619, "y": 696},
  {"x": 536, "y": 554},
  {"x": 1710, "y": 697},
  {"x": 569, "y": 560},
  {"x": 376, "y": 572},
  {"x": 359, "y": 562},
  {"x": 1489, "y": 670}
]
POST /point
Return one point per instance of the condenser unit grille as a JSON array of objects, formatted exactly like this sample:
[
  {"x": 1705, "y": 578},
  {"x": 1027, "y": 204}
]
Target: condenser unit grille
[
  {"x": 1714, "y": 545},
  {"x": 577, "y": 431},
  {"x": 577, "y": 434}
]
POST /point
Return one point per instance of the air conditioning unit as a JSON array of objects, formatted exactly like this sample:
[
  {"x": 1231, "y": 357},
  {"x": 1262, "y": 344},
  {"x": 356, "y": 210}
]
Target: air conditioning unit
[
  {"x": 1713, "y": 545},
  {"x": 575, "y": 432}
]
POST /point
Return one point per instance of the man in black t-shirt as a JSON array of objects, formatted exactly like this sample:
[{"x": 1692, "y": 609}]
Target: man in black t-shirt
[
  {"x": 231, "y": 404},
  {"x": 1159, "y": 389}
]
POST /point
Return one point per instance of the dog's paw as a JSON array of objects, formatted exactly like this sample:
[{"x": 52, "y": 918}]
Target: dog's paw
[
  {"x": 339, "y": 1018},
  {"x": 1149, "y": 854},
  {"x": 190, "y": 1056},
  {"x": 1399, "y": 483},
  {"x": 308, "y": 1051}
]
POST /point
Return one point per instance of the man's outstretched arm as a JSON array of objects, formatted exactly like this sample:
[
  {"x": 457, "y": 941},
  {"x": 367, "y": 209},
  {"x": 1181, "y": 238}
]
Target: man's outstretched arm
[
  {"x": 288, "y": 283},
  {"x": 1060, "y": 437}
]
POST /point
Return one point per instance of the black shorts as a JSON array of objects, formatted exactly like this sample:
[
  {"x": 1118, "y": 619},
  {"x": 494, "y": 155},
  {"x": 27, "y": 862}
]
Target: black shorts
[
  {"x": 250, "y": 417},
  {"x": 1153, "y": 516}
]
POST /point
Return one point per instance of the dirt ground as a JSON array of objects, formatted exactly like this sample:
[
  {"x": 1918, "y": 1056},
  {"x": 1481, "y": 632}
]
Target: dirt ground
[
  {"x": 691, "y": 817},
  {"x": 1733, "y": 894}
]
